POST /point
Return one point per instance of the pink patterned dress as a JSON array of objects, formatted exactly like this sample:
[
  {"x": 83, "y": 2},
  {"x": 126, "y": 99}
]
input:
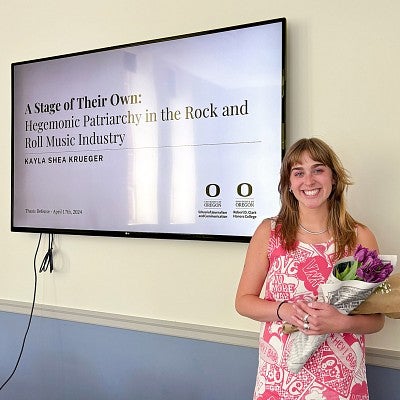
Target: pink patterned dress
[{"x": 336, "y": 371}]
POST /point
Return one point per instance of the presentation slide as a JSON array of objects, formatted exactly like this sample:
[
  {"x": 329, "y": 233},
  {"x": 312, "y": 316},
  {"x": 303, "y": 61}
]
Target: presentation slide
[{"x": 177, "y": 136}]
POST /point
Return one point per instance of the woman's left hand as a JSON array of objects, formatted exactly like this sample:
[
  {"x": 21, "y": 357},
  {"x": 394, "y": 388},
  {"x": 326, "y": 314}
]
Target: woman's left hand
[{"x": 317, "y": 318}]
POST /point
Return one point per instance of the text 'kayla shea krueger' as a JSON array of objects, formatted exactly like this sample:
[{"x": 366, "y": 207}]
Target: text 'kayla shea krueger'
[{"x": 92, "y": 158}]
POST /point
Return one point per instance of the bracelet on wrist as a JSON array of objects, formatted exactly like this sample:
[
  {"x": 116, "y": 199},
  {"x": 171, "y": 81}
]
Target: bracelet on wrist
[{"x": 277, "y": 310}]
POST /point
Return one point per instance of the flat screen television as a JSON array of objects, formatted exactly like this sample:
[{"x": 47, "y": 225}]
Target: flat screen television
[{"x": 180, "y": 137}]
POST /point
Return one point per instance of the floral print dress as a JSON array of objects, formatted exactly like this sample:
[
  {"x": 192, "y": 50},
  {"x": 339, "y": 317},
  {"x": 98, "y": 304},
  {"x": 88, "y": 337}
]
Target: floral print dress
[{"x": 336, "y": 371}]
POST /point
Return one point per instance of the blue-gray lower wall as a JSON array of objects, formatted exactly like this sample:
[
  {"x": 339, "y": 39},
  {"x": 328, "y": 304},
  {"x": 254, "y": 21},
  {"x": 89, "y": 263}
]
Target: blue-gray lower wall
[{"x": 70, "y": 360}]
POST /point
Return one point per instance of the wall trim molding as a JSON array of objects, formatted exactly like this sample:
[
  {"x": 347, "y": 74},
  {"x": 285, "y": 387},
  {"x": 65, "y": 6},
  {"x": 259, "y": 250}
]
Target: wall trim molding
[{"x": 374, "y": 356}]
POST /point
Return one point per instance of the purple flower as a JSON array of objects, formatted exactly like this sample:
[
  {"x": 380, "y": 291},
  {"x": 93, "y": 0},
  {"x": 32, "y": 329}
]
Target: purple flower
[
  {"x": 368, "y": 274},
  {"x": 362, "y": 253},
  {"x": 371, "y": 268}
]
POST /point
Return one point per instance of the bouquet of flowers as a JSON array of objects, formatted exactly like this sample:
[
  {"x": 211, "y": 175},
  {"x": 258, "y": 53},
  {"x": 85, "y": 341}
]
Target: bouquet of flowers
[{"x": 352, "y": 281}]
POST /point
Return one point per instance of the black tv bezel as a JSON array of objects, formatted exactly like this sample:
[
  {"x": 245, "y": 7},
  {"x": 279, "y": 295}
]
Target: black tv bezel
[{"x": 139, "y": 234}]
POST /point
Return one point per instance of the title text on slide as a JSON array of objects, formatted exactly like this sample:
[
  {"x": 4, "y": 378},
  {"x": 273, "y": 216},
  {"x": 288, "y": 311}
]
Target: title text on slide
[
  {"x": 84, "y": 102},
  {"x": 189, "y": 113},
  {"x": 90, "y": 117},
  {"x": 127, "y": 117},
  {"x": 115, "y": 100}
]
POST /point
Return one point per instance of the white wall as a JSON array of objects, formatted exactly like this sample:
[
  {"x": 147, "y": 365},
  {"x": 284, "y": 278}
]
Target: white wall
[{"x": 343, "y": 85}]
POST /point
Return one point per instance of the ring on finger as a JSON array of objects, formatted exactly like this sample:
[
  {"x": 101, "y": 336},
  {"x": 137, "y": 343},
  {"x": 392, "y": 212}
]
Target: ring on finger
[
  {"x": 306, "y": 326},
  {"x": 305, "y": 318}
]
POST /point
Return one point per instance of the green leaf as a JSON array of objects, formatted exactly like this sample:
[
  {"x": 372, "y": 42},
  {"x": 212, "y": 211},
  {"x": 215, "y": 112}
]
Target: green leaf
[
  {"x": 343, "y": 273},
  {"x": 351, "y": 273}
]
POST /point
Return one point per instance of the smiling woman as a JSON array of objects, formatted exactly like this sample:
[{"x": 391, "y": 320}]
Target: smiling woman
[
  {"x": 318, "y": 201},
  {"x": 311, "y": 183},
  {"x": 293, "y": 254}
]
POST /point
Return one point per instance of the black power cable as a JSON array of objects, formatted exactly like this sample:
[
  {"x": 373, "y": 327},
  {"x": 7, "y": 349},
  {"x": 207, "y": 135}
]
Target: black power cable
[
  {"x": 47, "y": 261},
  {"x": 48, "y": 258}
]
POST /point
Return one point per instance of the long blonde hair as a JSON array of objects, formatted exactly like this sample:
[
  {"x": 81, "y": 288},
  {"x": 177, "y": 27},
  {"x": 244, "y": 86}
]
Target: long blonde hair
[{"x": 340, "y": 222}]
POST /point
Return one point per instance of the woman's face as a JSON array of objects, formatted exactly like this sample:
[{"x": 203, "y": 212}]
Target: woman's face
[{"x": 311, "y": 182}]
